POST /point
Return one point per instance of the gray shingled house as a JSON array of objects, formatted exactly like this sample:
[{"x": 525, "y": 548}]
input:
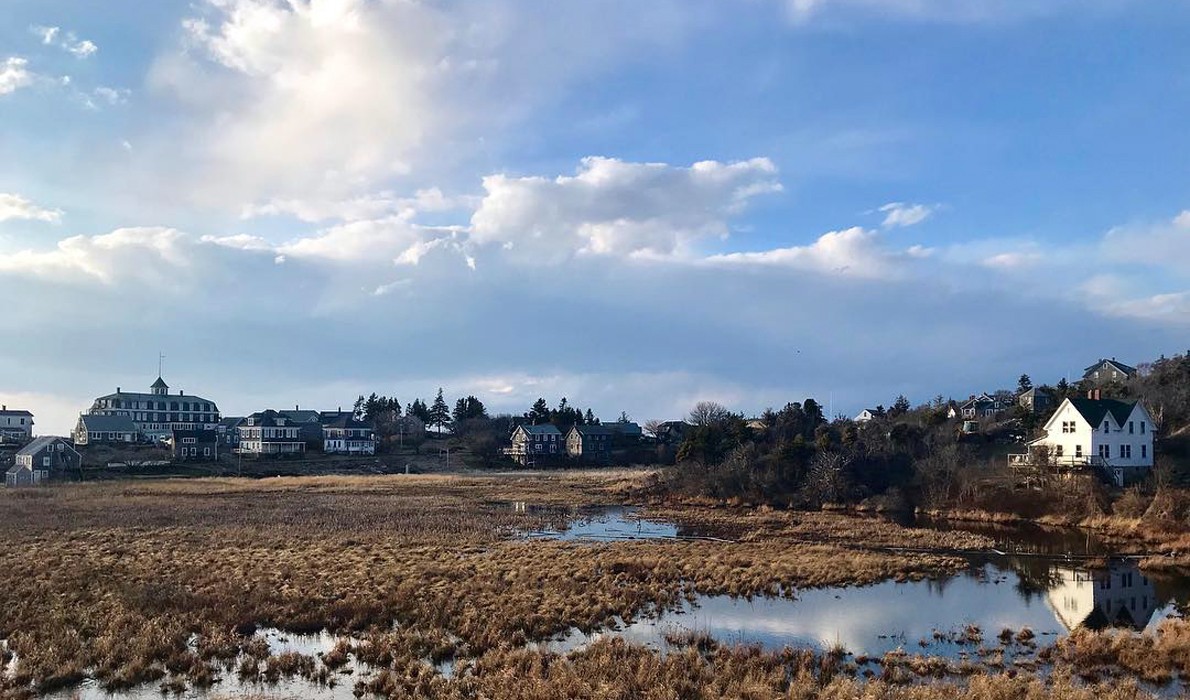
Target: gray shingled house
[
  {"x": 105, "y": 430},
  {"x": 195, "y": 445},
  {"x": 43, "y": 459}
]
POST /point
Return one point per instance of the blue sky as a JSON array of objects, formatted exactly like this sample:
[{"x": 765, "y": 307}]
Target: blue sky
[{"x": 635, "y": 205}]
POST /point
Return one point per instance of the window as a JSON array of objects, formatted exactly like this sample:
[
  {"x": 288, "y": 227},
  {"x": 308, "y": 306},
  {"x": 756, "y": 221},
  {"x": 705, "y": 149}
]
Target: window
[
  {"x": 1131, "y": 426},
  {"x": 1142, "y": 427},
  {"x": 1125, "y": 451},
  {"x": 1058, "y": 451},
  {"x": 46, "y": 460},
  {"x": 1078, "y": 450},
  {"x": 1144, "y": 451},
  {"x": 1106, "y": 427}
]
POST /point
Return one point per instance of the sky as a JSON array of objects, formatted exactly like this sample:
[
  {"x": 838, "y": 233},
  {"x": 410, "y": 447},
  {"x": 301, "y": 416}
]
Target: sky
[{"x": 635, "y": 205}]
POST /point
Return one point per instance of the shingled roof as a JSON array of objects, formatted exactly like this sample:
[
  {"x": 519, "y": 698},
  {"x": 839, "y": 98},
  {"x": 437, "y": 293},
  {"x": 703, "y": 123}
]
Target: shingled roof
[{"x": 1094, "y": 410}]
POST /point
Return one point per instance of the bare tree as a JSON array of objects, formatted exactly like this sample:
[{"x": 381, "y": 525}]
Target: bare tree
[
  {"x": 654, "y": 426},
  {"x": 707, "y": 413}
]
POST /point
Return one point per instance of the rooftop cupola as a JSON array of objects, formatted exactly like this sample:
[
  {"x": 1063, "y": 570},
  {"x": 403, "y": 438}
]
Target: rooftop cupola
[{"x": 160, "y": 388}]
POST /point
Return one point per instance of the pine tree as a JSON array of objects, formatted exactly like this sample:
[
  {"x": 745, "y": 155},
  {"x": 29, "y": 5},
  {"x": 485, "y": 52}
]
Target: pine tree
[
  {"x": 590, "y": 418},
  {"x": 439, "y": 412},
  {"x": 539, "y": 414},
  {"x": 419, "y": 410}
]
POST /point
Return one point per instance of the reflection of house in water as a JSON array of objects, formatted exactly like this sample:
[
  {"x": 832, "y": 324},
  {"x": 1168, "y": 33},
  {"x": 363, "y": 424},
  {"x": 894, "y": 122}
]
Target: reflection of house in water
[{"x": 1119, "y": 597}]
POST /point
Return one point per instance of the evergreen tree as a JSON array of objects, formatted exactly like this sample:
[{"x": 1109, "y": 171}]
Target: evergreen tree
[
  {"x": 900, "y": 407},
  {"x": 1024, "y": 384},
  {"x": 591, "y": 419},
  {"x": 468, "y": 409},
  {"x": 439, "y": 412},
  {"x": 419, "y": 410},
  {"x": 539, "y": 414}
]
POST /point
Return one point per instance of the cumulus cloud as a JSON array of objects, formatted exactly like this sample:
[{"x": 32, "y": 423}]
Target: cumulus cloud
[
  {"x": 900, "y": 215},
  {"x": 1165, "y": 241},
  {"x": 612, "y": 207},
  {"x": 854, "y": 252},
  {"x": 296, "y": 107},
  {"x": 14, "y": 75},
  {"x": 16, "y": 207},
  {"x": 67, "y": 41}
]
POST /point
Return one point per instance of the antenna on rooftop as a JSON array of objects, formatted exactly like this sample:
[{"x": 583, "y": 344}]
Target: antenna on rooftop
[{"x": 160, "y": 363}]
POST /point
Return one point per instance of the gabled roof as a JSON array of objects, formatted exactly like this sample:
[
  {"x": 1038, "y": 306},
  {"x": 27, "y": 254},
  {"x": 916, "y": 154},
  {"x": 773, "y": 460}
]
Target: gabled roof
[
  {"x": 107, "y": 424},
  {"x": 231, "y": 421},
  {"x": 1094, "y": 410},
  {"x": 593, "y": 430},
  {"x": 1034, "y": 392},
  {"x": 544, "y": 429},
  {"x": 346, "y": 421},
  {"x": 1125, "y": 369},
  {"x": 16, "y": 413},
  {"x": 39, "y": 443},
  {"x": 159, "y": 384},
  {"x": 302, "y": 416},
  {"x": 268, "y": 419}
]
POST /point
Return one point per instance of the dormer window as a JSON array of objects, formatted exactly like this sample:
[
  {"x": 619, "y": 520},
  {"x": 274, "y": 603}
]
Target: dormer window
[{"x": 1106, "y": 427}]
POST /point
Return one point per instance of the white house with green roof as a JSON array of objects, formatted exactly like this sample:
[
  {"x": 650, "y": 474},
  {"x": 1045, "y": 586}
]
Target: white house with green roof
[{"x": 1109, "y": 435}]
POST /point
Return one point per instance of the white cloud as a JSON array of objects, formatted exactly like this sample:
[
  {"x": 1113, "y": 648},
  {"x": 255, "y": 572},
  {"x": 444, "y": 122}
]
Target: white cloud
[
  {"x": 612, "y": 207},
  {"x": 47, "y": 34},
  {"x": 149, "y": 254},
  {"x": 14, "y": 75},
  {"x": 302, "y": 104},
  {"x": 112, "y": 96},
  {"x": 82, "y": 48},
  {"x": 371, "y": 206},
  {"x": 16, "y": 207},
  {"x": 956, "y": 11},
  {"x": 900, "y": 215},
  {"x": 853, "y": 252},
  {"x": 1167, "y": 243},
  {"x": 68, "y": 41},
  {"x": 1013, "y": 260}
]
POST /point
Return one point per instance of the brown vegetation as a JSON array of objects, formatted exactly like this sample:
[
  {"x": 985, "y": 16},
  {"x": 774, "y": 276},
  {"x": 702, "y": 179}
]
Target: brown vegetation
[{"x": 168, "y": 583}]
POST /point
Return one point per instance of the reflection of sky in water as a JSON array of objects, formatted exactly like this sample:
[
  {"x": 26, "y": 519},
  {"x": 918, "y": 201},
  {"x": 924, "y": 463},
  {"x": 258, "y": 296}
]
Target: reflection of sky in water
[
  {"x": 613, "y": 523},
  {"x": 868, "y": 620}
]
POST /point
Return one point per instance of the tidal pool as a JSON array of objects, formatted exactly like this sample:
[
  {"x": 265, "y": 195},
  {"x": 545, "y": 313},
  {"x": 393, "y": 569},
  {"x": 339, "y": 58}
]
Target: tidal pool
[{"x": 929, "y": 617}]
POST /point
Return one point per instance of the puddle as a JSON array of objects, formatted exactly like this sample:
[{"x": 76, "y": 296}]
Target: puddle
[
  {"x": 609, "y": 524},
  {"x": 341, "y": 686},
  {"x": 602, "y": 524},
  {"x": 928, "y": 617}
]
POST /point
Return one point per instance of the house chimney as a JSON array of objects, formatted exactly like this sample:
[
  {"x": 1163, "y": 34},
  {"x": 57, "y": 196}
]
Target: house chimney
[
  {"x": 295, "y": 407},
  {"x": 117, "y": 390}
]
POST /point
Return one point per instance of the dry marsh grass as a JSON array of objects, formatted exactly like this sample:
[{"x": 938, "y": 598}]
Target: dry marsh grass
[{"x": 166, "y": 582}]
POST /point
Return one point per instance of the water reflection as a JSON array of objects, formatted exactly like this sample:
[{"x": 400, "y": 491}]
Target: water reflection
[
  {"x": 934, "y": 617},
  {"x": 603, "y": 524}
]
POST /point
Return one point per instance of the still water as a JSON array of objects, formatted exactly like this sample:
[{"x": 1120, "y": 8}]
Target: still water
[{"x": 1037, "y": 584}]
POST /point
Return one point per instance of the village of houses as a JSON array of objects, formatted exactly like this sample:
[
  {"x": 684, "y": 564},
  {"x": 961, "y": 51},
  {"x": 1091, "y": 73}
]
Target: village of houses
[{"x": 1097, "y": 433}]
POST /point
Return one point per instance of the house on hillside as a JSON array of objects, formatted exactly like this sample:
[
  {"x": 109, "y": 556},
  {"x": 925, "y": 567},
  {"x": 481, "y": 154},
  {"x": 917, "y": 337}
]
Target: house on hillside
[
  {"x": 625, "y": 433},
  {"x": 195, "y": 445},
  {"x": 44, "y": 458},
  {"x": 1106, "y": 371},
  {"x": 673, "y": 432},
  {"x": 976, "y": 408},
  {"x": 1111, "y": 437},
  {"x": 310, "y": 423},
  {"x": 865, "y": 416},
  {"x": 15, "y": 426},
  {"x": 536, "y": 444},
  {"x": 343, "y": 434},
  {"x": 591, "y": 444},
  {"x": 1035, "y": 400},
  {"x": 105, "y": 430},
  {"x": 269, "y": 433}
]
